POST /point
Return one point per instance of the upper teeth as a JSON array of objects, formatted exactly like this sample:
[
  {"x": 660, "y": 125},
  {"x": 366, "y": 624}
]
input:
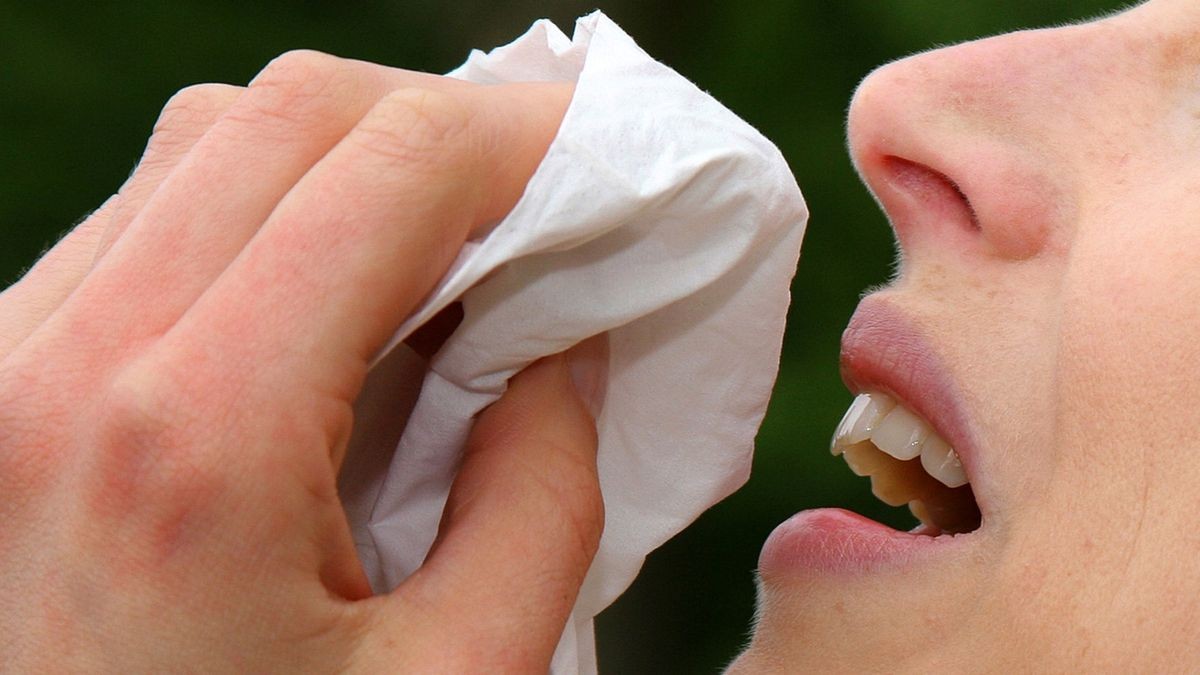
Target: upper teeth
[{"x": 897, "y": 431}]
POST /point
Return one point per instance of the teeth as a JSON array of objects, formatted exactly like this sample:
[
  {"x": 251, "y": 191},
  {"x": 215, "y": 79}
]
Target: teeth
[
  {"x": 918, "y": 509},
  {"x": 901, "y": 483},
  {"x": 901, "y": 434},
  {"x": 942, "y": 463},
  {"x": 865, "y": 459},
  {"x": 860, "y": 420},
  {"x": 881, "y": 439}
]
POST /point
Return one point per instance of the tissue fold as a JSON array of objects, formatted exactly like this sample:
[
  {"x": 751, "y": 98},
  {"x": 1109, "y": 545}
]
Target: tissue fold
[{"x": 657, "y": 218}]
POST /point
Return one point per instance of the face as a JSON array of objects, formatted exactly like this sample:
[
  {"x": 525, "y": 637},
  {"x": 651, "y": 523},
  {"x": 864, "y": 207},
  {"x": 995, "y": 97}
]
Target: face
[{"x": 1044, "y": 187}]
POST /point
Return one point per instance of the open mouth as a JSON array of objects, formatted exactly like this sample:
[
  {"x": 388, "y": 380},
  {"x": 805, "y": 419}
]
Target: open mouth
[
  {"x": 908, "y": 463},
  {"x": 910, "y": 432}
]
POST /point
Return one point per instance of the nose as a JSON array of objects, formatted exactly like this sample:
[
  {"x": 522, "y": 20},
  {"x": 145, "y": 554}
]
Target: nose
[{"x": 964, "y": 146}]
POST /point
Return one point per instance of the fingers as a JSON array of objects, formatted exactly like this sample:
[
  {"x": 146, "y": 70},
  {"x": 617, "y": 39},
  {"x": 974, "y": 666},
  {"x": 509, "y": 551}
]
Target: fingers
[
  {"x": 302, "y": 227},
  {"x": 27, "y": 303},
  {"x": 212, "y": 203},
  {"x": 184, "y": 119},
  {"x": 367, "y": 232},
  {"x": 520, "y": 529}
]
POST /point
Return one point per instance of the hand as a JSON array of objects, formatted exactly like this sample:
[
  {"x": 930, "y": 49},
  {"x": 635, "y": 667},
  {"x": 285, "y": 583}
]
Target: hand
[{"x": 177, "y": 377}]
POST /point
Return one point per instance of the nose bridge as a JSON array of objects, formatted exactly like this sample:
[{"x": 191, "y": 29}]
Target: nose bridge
[
  {"x": 1012, "y": 85},
  {"x": 993, "y": 85}
]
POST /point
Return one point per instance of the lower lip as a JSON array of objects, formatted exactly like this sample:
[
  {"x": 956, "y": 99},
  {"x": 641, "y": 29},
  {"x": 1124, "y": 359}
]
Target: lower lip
[{"x": 840, "y": 542}]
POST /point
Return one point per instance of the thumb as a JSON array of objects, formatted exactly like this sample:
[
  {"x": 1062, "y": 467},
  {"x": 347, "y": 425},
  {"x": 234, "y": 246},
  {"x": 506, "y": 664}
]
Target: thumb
[{"x": 520, "y": 529}]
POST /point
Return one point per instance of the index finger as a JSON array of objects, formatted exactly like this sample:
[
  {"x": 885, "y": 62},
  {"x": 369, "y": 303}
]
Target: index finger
[{"x": 368, "y": 231}]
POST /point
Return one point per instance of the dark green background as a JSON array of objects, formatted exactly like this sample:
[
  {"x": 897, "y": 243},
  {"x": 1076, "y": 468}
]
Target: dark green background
[{"x": 81, "y": 85}]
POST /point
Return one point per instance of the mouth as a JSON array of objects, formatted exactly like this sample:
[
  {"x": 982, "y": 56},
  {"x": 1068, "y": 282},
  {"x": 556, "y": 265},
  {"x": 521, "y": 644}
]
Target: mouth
[
  {"x": 908, "y": 463},
  {"x": 907, "y": 432},
  {"x": 906, "y": 429}
]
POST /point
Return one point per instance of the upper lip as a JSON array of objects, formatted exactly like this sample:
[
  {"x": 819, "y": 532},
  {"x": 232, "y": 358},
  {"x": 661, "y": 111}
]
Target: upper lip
[{"x": 884, "y": 350}]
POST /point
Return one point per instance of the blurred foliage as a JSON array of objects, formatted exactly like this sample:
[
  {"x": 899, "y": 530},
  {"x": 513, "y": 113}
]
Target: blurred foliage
[{"x": 82, "y": 84}]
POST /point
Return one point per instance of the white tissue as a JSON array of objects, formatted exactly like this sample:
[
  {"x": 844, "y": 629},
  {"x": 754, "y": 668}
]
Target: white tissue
[{"x": 657, "y": 217}]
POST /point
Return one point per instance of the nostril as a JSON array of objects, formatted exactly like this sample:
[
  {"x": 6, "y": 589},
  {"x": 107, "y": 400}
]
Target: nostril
[{"x": 937, "y": 196}]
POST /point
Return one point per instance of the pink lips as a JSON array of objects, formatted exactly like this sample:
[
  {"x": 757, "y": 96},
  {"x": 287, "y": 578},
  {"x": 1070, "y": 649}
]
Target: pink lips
[
  {"x": 882, "y": 350},
  {"x": 839, "y": 541}
]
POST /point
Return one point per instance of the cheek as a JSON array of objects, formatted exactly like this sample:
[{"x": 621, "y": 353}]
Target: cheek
[
  {"x": 1130, "y": 335},
  {"x": 1130, "y": 351},
  {"x": 1126, "y": 392}
]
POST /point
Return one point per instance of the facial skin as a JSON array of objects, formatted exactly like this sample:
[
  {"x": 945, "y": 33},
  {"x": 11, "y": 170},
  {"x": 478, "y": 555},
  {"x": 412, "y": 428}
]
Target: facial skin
[{"x": 1067, "y": 317}]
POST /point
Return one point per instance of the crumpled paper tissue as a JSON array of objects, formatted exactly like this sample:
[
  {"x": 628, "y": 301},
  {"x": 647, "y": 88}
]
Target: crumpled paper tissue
[{"x": 659, "y": 219}]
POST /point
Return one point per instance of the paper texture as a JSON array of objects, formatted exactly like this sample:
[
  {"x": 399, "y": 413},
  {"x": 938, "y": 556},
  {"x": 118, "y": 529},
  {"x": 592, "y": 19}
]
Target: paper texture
[{"x": 657, "y": 218}]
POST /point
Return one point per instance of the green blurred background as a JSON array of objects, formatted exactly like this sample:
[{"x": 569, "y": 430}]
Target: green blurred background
[{"x": 81, "y": 85}]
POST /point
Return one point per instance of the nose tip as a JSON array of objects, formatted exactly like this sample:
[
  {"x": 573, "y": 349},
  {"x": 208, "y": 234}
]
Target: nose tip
[
  {"x": 889, "y": 143},
  {"x": 951, "y": 144}
]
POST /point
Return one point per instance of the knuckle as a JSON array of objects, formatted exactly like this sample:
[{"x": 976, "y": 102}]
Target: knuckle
[
  {"x": 138, "y": 406},
  {"x": 573, "y": 504},
  {"x": 417, "y": 126},
  {"x": 296, "y": 69},
  {"x": 185, "y": 117},
  {"x": 149, "y": 473},
  {"x": 145, "y": 446},
  {"x": 193, "y": 107},
  {"x": 295, "y": 87},
  {"x": 585, "y": 514}
]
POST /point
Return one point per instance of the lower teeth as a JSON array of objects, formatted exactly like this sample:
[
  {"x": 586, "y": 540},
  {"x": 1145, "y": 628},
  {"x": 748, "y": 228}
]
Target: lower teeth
[{"x": 904, "y": 482}]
